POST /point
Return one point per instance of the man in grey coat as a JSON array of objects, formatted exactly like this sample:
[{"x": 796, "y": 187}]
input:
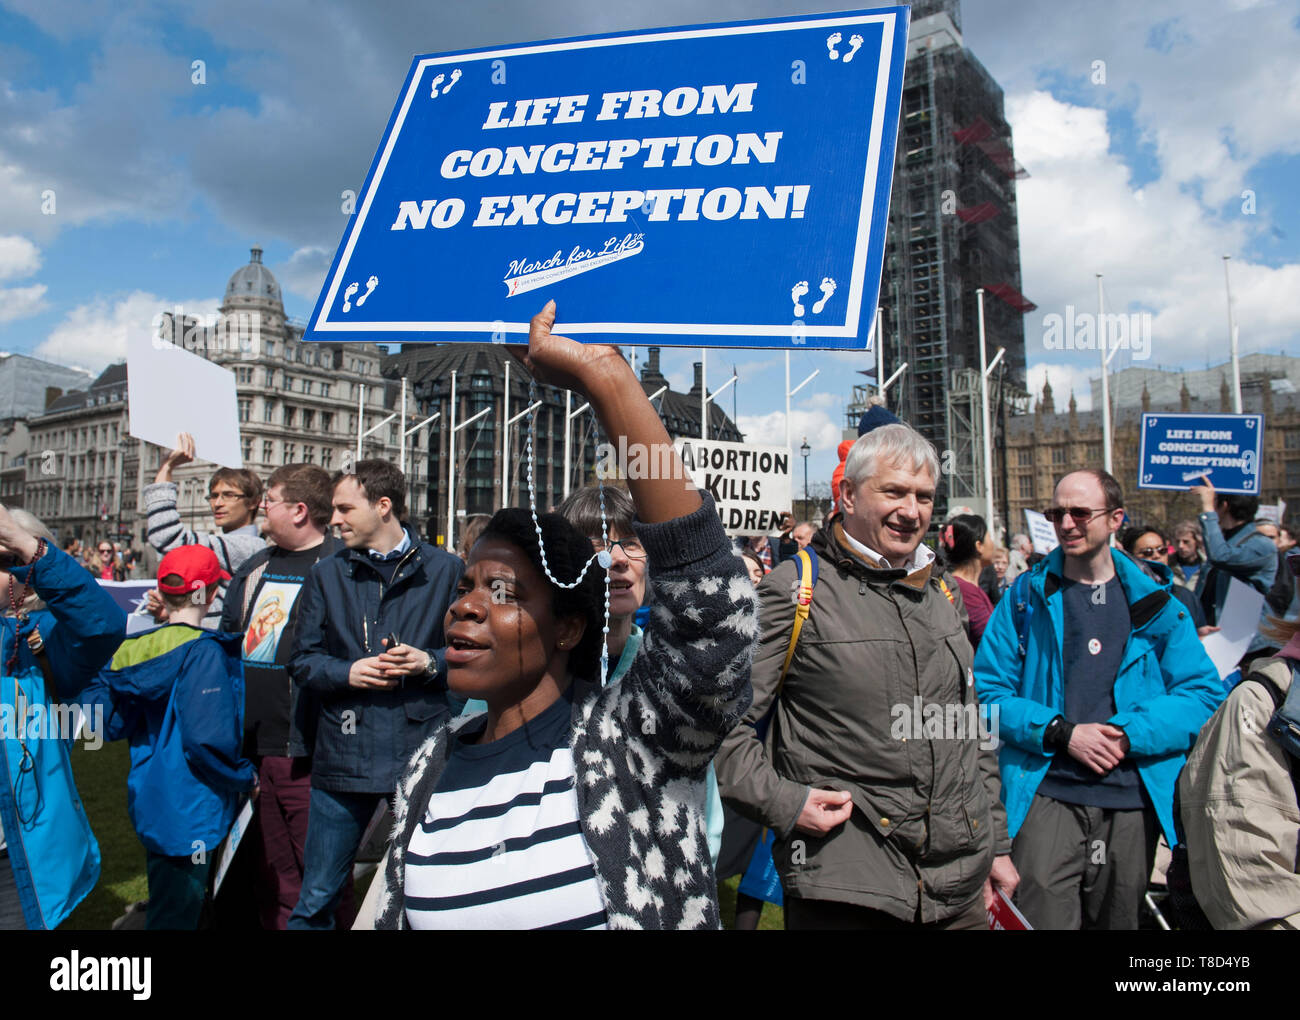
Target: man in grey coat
[{"x": 878, "y": 773}]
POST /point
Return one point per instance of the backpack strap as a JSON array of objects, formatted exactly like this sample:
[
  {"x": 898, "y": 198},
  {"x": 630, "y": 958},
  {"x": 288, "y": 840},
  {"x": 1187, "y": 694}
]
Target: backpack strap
[
  {"x": 1284, "y": 727},
  {"x": 805, "y": 565},
  {"x": 943, "y": 587}
]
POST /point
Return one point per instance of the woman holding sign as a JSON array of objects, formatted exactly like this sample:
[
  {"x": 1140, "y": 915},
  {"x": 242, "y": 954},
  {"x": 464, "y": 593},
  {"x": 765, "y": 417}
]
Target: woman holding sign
[{"x": 568, "y": 805}]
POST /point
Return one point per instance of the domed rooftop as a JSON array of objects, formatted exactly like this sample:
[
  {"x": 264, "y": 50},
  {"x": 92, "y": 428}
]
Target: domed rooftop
[{"x": 254, "y": 281}]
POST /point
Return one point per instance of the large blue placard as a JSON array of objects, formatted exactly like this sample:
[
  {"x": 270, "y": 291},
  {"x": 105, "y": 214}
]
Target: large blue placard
[
  {"x": 722, "y": 185},
  {"x": 1177, "y": 449}
]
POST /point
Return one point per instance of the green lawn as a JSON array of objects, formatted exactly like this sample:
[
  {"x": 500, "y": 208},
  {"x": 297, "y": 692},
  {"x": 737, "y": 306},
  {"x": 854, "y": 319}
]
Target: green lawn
[
  {"x": 773, "y": 918},
  {"x": 101, "y": 778}
]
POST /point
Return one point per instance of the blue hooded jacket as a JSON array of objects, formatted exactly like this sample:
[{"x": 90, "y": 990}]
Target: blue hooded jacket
[
  {"x": 52, "y": 851},
  {"x": 1165, "y": 689},
  {"x": 176, "y": 692}
]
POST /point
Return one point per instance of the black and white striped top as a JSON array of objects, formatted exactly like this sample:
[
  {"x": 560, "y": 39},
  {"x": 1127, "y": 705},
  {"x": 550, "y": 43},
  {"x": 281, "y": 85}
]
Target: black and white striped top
[{"x": 500, "y": 845}]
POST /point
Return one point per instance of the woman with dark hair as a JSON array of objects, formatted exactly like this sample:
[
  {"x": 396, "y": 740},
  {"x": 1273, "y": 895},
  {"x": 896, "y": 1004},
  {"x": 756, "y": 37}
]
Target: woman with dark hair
[
  {"x": 754, "y": 565},
  {"x": 565, "y": 804},
  {"x": 968, "y": 548},
  {"x": 1149, "y": 547}
]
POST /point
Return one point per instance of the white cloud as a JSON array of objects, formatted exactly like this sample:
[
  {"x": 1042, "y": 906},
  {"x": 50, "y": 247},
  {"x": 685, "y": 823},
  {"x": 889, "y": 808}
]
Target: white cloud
[
  {"x": 1212, "y": 91},
  {"x": 304, "y": 273},
  {"x": 1158, "y": 249},
  {"x": 93, "y": 335},
  {"x": 769, "y": 429},
  {"x": 21, "y": 302},
  {"x": 822, "y": 401},
  {"x": 18, "y": 257}
]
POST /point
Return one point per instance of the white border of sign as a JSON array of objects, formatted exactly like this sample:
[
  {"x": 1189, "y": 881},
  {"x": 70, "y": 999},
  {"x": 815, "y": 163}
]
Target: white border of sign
[
  {"x": 1259, "y": 450},
  {"x": 857, "y": 280}
]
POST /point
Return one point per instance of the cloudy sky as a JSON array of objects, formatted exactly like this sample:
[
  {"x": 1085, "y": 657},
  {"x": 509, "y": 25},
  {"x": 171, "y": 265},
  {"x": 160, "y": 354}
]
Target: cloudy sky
[{"x": 1159, "y": 137}]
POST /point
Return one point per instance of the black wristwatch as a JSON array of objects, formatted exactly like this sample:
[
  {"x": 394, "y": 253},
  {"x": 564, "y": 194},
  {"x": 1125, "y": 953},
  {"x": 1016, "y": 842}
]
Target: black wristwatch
[{"x": 1057, "y": 733}]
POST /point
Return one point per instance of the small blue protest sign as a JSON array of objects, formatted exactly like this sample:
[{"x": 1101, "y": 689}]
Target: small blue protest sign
[
  {"x": 1177, "y": 449},
  {"x": 723, "y": 185}
]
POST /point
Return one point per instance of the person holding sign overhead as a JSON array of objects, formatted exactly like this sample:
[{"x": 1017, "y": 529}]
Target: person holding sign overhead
[
  {"x": 1233, "y": 547},
  {"x": 568, "y": 804},
  {"x": 233, "y": 495}
]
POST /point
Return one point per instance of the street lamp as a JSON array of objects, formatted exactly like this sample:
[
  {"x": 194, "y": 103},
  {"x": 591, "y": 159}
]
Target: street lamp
[{"x": 805, "y": 449}]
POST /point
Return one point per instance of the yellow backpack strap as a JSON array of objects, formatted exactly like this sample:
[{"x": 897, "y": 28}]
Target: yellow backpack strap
[
  {"x": 807, "y": 577},
  {"x": 947, "y": 591}
]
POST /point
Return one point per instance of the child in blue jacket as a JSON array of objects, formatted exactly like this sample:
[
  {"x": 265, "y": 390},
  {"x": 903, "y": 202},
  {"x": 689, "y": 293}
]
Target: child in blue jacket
[{"x": 176, "y": 692}]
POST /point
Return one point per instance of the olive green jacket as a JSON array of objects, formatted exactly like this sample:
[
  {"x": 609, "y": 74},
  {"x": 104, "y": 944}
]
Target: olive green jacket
[{"x": 878, "y": 645}]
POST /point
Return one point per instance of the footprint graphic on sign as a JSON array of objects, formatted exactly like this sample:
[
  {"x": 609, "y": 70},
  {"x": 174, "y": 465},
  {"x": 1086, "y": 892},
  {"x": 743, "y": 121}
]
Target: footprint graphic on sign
[
  {"x": 347, "y": 296},
  {"x": 855, "y": 44},
  {"x": 796, "y": 292},
  {"x": 828, "y": 288},
  {"x": 373, "y": 282},
  {"x": 832, "y": 41},
  {"x": 439, "y": 79}
]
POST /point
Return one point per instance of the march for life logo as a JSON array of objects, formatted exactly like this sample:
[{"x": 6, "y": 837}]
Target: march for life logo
[
  {"x": 524, "y": 276},
  {"x": 718, "y": 185}
]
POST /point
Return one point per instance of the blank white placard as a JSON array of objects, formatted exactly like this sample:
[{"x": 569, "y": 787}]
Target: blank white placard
[
  {"x": 1238, "y": 621},
  {"x": 170, "y": 390}
]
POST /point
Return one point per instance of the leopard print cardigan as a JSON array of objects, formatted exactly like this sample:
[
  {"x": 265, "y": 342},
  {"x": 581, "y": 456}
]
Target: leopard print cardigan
[{"x": 641, "y": 747}]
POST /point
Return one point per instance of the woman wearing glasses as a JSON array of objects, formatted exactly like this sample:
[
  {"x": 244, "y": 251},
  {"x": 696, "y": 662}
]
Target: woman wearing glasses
[
  {"x": 59, "y": 628},
  {"x": 1148, "y": 546},
  {"x": 106, "y": 566}
]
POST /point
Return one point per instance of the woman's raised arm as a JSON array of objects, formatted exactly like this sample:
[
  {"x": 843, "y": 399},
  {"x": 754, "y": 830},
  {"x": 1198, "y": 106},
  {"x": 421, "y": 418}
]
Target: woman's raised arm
[{"x": 662, "y": 492}]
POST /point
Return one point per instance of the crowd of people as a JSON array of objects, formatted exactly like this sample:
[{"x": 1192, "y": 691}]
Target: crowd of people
[{"x": 590, "y": 716}]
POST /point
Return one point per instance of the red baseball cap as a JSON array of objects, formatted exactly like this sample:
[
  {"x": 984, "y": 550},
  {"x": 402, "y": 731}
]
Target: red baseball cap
[{"x": 197, "y": 567}]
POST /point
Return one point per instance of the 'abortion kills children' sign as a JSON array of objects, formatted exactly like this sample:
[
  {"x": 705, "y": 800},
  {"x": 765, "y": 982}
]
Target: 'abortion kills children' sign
[
  {"x": 722, "y": 185},
  {"x": 750, "y": 484}
]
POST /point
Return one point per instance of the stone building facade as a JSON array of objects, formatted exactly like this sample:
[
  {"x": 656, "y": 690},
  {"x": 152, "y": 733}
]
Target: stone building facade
[
  {"x": 297, "y": 402},
  {"x": 1042, "y": 446}
]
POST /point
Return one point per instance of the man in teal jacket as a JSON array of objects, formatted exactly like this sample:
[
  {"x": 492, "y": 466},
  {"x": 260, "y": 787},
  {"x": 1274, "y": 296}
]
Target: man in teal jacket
[{"x": 1102, "y": 686}]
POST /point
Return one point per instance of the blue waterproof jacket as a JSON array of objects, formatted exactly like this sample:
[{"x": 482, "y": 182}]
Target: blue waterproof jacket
[
  {"x": 1165, "y": 689},
  {"x": 176, "y": 692},
  {"x": 52, "y": 850}
]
